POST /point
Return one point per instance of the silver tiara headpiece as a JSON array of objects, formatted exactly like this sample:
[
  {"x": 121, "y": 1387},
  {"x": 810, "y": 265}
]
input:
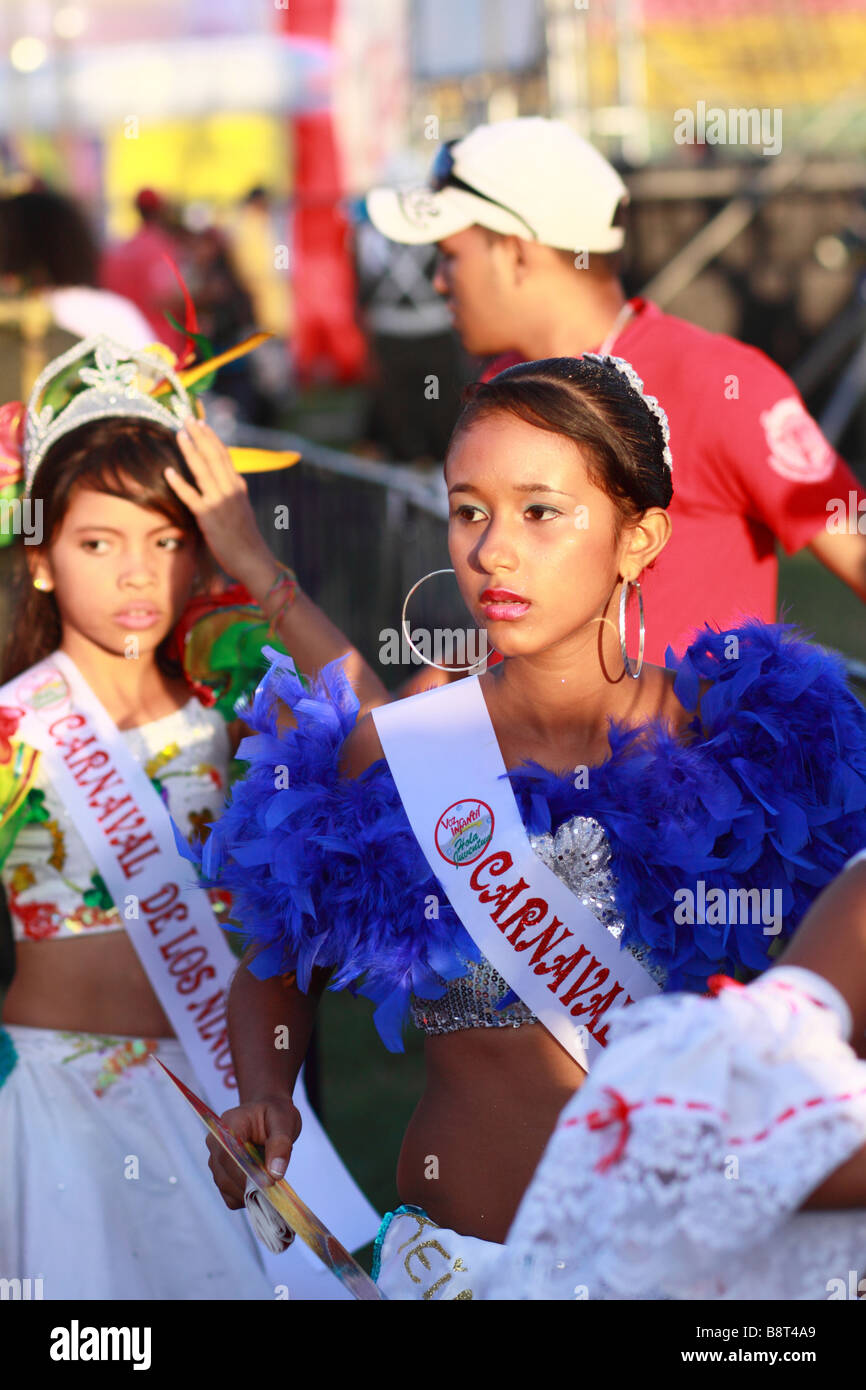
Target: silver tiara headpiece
[
  {"x": 119, "y": 384},
  {"x": 627, "y": 370}
]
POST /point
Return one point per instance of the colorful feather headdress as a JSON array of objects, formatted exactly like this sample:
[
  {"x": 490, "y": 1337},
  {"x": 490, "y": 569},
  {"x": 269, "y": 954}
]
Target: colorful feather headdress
[{"x": 99, "y": 378}]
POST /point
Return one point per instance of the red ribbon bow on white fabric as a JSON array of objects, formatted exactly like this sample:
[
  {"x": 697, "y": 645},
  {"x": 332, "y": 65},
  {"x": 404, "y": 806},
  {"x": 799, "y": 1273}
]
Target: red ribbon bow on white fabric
[{"x": 617, "y": 1114}]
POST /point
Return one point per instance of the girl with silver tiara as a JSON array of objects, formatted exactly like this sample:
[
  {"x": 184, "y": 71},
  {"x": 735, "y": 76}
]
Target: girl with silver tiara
[
  {"x": 122, "y": 671},
  {"x": 512, "y": 858}
]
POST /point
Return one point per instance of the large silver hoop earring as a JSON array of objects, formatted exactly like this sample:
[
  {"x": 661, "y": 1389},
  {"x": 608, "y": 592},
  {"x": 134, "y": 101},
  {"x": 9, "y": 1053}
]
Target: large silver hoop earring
[
  {"x": 404, "y": 622},
  {"x": 634, "y": 672}
]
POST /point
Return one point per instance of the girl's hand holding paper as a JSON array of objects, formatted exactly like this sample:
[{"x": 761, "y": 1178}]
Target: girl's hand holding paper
[{"x": 273, "y": 1124}]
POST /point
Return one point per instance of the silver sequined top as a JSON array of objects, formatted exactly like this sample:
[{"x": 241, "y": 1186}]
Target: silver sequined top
[{"x": 579, "y": 854}]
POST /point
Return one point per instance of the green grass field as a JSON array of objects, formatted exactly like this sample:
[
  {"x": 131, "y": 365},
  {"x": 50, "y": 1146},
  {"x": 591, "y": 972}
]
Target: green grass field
[
  {"x": 368, "y": 1093},
  {"x": 822, "y": 605}
]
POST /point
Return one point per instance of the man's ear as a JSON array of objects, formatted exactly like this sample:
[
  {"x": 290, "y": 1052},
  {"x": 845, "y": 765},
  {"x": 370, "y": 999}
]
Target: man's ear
[
  {"x": 529, "y": 258},
  {"x": 521, "y": 257}
]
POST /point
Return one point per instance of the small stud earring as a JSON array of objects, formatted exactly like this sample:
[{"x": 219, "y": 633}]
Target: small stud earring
[{"x": 42, "y": 585}]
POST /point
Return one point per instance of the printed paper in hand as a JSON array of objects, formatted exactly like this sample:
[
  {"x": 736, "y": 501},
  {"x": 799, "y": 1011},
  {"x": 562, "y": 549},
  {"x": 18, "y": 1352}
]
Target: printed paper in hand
[{"x": 285, "y": 1202}]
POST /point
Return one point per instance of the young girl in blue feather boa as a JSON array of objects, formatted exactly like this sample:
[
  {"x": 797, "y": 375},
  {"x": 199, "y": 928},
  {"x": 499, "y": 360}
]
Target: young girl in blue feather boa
[{"x": 737, "y": 775}]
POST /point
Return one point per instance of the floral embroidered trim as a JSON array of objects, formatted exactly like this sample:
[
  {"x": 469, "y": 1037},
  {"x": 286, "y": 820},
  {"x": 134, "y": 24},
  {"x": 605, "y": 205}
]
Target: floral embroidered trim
[{"x": 124, "y": 1055}]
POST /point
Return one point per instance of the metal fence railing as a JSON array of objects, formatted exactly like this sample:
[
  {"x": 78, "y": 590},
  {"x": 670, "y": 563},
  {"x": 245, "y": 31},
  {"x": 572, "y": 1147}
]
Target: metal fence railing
[{"x": 360, "y": 534}]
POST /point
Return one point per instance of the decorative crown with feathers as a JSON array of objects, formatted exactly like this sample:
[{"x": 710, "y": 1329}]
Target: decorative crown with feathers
[
  {"x": 120, "y": 382},
  {"x": 98, "y": 379}
]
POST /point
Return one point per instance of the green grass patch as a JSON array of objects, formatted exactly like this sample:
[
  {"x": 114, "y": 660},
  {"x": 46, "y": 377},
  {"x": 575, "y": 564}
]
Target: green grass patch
[
  {"x": 368, "y": 1095},
  {"x": 822, "y": 605}
]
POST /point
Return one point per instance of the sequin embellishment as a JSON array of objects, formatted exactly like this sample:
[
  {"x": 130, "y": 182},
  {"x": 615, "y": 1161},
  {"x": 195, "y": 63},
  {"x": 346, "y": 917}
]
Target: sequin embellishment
[{"x": 579, "y": 854}]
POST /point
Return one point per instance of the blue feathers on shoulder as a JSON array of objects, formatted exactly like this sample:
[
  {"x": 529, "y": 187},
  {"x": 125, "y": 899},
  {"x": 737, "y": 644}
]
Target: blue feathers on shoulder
[
  {"x": 324, "y": 870},
  {"x": 766, "y": 789}
]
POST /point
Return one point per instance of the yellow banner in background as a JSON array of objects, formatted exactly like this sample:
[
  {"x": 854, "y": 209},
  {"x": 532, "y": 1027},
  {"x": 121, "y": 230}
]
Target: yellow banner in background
[
  {"x": 791, "y": 59},
  {"x": 215, "y": 161}
]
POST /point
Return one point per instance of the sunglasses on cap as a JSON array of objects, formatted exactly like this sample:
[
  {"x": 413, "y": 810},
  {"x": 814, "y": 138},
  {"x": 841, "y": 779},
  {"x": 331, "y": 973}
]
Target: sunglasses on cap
[{"x": 442, "y": 175}]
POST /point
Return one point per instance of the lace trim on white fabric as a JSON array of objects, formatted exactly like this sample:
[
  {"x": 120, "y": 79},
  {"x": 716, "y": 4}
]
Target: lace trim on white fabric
[{"x": 681, "y": 1176}]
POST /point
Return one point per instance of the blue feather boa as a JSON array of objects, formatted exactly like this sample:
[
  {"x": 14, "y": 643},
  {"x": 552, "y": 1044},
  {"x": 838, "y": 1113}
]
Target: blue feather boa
[{"x": 768, "y": 788}]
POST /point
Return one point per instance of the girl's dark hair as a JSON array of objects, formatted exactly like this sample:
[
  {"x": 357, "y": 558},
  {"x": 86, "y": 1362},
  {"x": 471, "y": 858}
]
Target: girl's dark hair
[
  {"x": 46, "y": 239},
  {"x": 594, "y": 405},
  {"x": 123, "y": 457}
]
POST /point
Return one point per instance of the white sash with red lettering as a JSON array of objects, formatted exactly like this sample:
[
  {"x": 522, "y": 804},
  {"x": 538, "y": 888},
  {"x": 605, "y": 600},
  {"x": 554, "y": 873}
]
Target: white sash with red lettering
[
  {"x": 553, "y": 952},
  {"x": 169, "y": 920}
]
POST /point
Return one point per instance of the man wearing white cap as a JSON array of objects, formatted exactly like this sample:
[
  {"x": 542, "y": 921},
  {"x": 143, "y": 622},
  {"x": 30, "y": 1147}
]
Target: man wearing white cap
[{"x": 525, "y": 214}]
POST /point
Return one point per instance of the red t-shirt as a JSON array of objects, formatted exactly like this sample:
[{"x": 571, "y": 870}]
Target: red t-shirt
[{"x": 749, "y": 465}]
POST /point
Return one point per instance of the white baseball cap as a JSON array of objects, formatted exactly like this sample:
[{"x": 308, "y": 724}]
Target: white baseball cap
[{"x": 529, "y": 177}]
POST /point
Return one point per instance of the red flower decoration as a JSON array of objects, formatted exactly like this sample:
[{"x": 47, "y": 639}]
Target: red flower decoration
[
  {"x": 200, "y": 607},
  {"x": 38, "y": 919},
  {"x": 12, "y": 418},
  {"x": 10, "y": 718}
]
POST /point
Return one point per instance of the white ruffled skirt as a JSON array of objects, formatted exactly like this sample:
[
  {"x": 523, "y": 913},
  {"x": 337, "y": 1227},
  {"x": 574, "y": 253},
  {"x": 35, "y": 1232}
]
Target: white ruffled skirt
[
  {"x": 677, "y": 1170},
  {"x": 105, "y": 1191}
]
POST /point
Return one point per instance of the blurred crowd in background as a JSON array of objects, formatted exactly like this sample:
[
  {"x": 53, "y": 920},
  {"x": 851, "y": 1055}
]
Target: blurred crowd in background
[
  {"x": 235, "y": 142},
  {"x": 133, "y": 289},
  {"x": 60, "y": 281}
]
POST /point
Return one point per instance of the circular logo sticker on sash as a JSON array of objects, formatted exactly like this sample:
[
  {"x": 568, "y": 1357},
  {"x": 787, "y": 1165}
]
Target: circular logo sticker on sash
[
  {"x": 464, "y": 831},
  {"x": 43, "y": 689}
]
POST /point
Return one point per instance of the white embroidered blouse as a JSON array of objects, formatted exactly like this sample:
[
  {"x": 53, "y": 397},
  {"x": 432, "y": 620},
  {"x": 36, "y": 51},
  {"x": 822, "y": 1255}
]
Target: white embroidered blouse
[{"x": 52, "y": 886}]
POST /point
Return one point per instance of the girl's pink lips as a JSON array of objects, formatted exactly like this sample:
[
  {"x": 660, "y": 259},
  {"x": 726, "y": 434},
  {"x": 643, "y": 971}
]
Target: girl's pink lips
[
  {"x": 138, "y": 616},
  {"x": 502, "y": 604}
]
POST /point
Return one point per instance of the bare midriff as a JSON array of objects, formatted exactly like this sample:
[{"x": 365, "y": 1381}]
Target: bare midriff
[
  {"x": 84, "y": 984},
  {"x": 493, "y": 1095},
  {"x": 491, "y": 1102}
]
